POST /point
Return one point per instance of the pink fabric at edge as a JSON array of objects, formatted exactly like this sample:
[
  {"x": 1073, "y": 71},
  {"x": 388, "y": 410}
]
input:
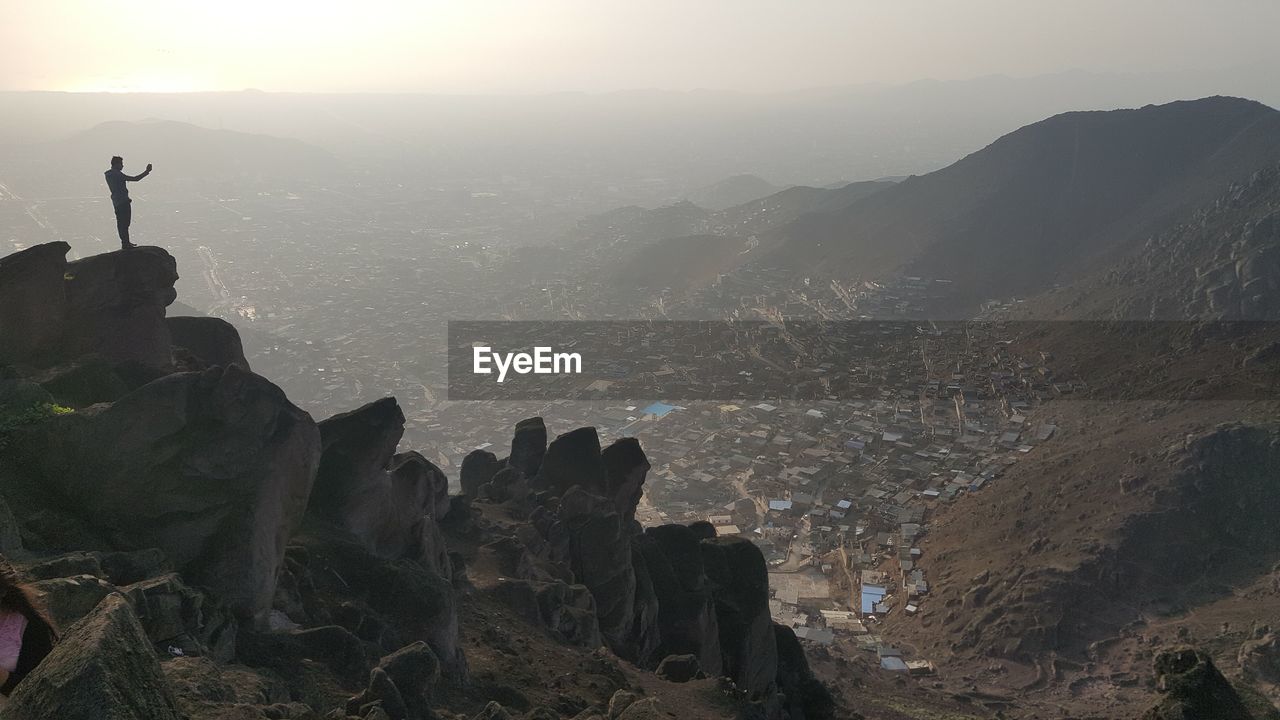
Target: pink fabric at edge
[{"x": 12, "y": 625}]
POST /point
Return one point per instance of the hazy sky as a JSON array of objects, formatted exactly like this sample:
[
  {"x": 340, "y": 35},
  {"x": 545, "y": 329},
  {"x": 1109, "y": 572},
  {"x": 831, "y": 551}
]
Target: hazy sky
[{"x": 488, "y": 46}]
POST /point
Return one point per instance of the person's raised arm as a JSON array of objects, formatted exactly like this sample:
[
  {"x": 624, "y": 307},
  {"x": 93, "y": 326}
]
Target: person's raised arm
[{"x": 135, "y": 178}]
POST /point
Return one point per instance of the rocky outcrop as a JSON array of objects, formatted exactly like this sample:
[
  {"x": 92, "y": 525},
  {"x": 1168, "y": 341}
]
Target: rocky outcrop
[
  {"x": 573, "y": 459},
  {"x": 1194, "y": 688},
  {"x": 213, "y": 468},
  {"x": 740, "y": 585},
  {"x": 670, "y": 591},
  {"x": 402, "y": 684},
  {"x": 679, "y": 668},
  {"x": 528, "y": 446},
  {"x": 686, "y": 609},
  {"x": 391, "y": 503},
  {"x": 111, "y": 305},
  {"x": 625, "y": 470},
  {"x": 598, "y": 551},
  {"x": 116, "y": 304},
  {"x": 568, "y": 611},
  {"x": 33, "y": 304},
  {"x": 806, "y": 697},
  {"x": 1259, "y": 658},
  {"x": 388, "y": 603},
  {"x": 332, "y": 645},
  {"x": 213, "y": 341},
  {"x": 156, "y": 513},
  {"x": 103, "y": 669},
  {"x": 478, "y": 468}
]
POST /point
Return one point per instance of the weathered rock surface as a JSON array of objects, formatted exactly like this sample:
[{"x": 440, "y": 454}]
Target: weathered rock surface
[
  {"x": 213, "y": 340},
  {"x": 528, "y": 446},
  {"x": 213, "y": 468},
  {"x": 806, "y": 697},
  {"x": 1194, "y": 688},
  {"x": 478, "y": 468},
  {"x": 116, "y": 304},
  {"x": 391, "y": 503},
  {"x": 678, "y": 668},
  {"x": 1260, "y": 658},
  {"x": 625, "y": 469},
  {"x": 390, "y": 603},
  {"x": 599, "y": 552},
  {"x": 90, "y": 379},
  {"x": 402, "y": 683},
  {"x": 103, "y": 669},
  {"x": 686, "y": 608},
  {"x": 331, "y": 645},
  {"x": 568, "y": 611},
  {"x": 740, "y": 586},
  {"x": 573, "y": 459},
  {"x": 33, "y": 304}
]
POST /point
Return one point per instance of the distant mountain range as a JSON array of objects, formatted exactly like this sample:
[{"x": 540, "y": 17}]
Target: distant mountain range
[
  {"x": 732, "y": 191},
  {"x": 1044, "y": 206},
  {"x": 647, "y": 147},
  {"x": 184, "y": 154},
  {"x": 1044, "y": 203}
]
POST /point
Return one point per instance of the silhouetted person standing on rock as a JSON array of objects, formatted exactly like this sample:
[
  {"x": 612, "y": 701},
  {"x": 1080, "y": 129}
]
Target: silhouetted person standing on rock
[{"x": 116, "y": 180}]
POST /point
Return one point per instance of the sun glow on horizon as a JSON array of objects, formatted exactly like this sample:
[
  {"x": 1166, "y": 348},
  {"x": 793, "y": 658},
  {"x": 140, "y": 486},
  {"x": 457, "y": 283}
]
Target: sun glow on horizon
[{"x": 142, "y": 83}]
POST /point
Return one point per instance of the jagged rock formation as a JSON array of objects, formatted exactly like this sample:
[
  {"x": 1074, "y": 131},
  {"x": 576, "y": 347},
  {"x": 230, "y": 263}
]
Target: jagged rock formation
[
  {"x": 111, "y": 305},
  {"x": 213, "y": 468},
  {"x": 391, "y": 502},
  {"x": 116, "y": 305},
  {"x": 686, "y": 607},
  {"x": 661, "y": 593},
  {"x": 625, "y": 469},
  {"x": 189, "y": 508},
  {"x": 806, "y": 697},
  {"x": 1260, "y": 658},
  {"x": 213, "y": 341},
  {"x": 528, "y": 446},
  {"x": 478, "y": 468},
  {"x": 33, "y": 303},
  {"x": 736, "y": 568},
  {"x": 1194, "y": 688}
]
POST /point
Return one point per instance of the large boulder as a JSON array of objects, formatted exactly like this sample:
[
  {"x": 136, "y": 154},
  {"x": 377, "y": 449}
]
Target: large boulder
[
  {"x": 592, "y": 538},
  {"x": 679, "y": 668},
  {"x": 33, "y": 304},
  {"x": 1259, "y": 658},
  {"x": 391, "y": 503},
  {"x": 686, "y": 609},
  {"x": 568, "y": 611},
  {"x": 478, "y": 468},
  {"x": 625, "y": 469},
  {"x": 1194, "y": 688},
  {"x": 806, "y": 697},
  {"x": 116, "y": 305},
  {"x": 740, "y": 585},
  {"x": 573, "y": 459},
  {"x": 213, "y": 340},
  {"x": 528, "y": 446},
  {"x": 213, "y": 468},
  {"x": 103, "y": 669},
  {"x": 330, "y": 645}
]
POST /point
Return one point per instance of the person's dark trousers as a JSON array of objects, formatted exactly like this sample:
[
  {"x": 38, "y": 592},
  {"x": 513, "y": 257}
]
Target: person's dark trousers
[{"x": 124, "y": 214}]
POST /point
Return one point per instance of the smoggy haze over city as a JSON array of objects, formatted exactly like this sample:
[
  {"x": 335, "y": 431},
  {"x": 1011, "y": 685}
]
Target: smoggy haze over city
[{"x": 509, "y": 46}]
